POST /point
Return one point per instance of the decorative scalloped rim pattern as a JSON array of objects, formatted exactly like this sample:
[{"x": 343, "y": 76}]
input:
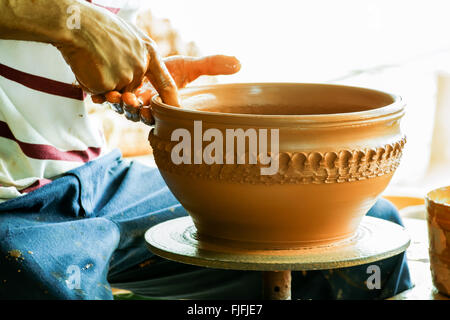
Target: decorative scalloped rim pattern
[{"x": 294, "y": 167}]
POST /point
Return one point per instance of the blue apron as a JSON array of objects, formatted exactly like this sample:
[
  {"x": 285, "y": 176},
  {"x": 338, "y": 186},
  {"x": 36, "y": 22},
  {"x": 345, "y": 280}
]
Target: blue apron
[{"x": 83, "y": 233}]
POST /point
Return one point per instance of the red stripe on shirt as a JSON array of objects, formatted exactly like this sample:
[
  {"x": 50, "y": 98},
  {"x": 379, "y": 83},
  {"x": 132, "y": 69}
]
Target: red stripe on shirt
[
  {"x": 39, "y": 183},
  {"x": 113, "y": 10},
  {"x": 42, "y": 84},
  {"x": 47, "y": 152}
]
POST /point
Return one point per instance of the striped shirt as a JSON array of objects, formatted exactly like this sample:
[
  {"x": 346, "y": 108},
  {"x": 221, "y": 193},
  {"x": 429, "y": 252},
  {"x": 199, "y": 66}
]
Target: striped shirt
[{"x": 45, "y": 130}]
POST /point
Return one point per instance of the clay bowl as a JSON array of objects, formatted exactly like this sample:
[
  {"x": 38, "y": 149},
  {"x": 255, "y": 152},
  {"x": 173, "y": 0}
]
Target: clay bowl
[
  {"x": 338, "y": 149},
  {"x": 438, "y": 219}
]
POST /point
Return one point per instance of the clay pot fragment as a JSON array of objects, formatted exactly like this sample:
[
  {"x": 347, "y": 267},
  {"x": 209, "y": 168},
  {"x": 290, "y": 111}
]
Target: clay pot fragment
[{"x": 438, "y": 220}]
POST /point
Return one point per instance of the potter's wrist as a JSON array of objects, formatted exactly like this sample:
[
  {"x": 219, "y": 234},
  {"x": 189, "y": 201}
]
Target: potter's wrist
[
  {"x": 44, "y": 21},
  {"x": 79, "y": 33}
]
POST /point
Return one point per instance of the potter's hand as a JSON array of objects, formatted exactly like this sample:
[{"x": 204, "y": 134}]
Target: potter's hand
[
  {"x": 184, "y": 70},
  {"x": 109, "y": 54},
  {"x": 104, "y": 52}
]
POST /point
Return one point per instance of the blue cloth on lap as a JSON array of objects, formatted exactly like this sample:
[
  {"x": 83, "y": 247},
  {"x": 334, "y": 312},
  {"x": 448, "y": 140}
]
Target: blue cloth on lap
[{"x": 74, "y": 237}]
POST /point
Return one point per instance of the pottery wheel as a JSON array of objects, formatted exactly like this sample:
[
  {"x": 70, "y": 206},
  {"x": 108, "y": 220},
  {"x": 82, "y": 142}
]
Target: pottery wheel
[{"x": 375, "y": 239}]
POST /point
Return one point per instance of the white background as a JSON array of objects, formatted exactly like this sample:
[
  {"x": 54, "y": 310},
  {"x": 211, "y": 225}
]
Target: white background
[{"x": 397, "y": 46}]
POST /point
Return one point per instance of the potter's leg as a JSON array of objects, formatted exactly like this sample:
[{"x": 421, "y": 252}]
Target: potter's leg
[
  {"x": 63, "y": 240},
  {"x": 49, "y": 251},
  {"x": 383, "y": 209},
  {"x": 350, "y": 283},
  {"x": 134, "y": 209},
  {"x": 159, "y": 278},
  {"x": 58, "y": 241}
]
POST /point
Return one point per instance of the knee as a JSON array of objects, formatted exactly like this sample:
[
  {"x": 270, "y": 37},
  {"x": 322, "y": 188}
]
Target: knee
[{"x": 384, "y": 209}]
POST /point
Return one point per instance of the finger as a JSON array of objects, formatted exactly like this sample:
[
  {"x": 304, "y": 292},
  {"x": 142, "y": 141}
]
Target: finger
[
  {"x": 115, "y": 101},
  {"x": 98, "y": 98},
  {"x": 146, "y": 96},
  {"x": 113, "y": 97},
  {"x": 161, "y": 80},
  {"x": 186, "y": 69},
  {"x": 145, "y": 92},
  {"x": 214, "y": 65},
  {"x": 130, "y": 99},
  {"x": 146, "y": 116},
  {"x": 131, "y": 106}
]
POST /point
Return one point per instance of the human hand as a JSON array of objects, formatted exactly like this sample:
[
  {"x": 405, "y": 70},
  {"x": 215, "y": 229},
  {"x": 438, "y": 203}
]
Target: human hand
[
  {"x": 183, "y": 70},
  {"x": 108, "y": 54}
]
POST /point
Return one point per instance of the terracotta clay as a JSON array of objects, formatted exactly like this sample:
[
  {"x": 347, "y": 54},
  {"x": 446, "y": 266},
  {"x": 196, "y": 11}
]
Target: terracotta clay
[
  {"x": 338, "y": 149},
  {"x": 438, "y": 218}
]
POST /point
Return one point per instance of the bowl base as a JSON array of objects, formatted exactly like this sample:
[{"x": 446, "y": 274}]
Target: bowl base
[
  {"x": 272, "y": 245},
  {"x": 375, "y": 239}
]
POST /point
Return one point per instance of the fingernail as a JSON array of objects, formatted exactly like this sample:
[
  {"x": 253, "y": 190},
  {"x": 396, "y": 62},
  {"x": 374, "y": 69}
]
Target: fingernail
[
  {"x": 235, "y": 66},
  {"x": 130, "y": 99}
]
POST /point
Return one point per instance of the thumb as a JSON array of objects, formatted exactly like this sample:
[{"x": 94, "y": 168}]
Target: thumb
[{"x": 186, "y": 69}]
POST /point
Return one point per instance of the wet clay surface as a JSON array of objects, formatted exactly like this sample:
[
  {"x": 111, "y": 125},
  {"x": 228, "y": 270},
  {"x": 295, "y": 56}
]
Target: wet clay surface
[{"x": 333, "y": 164}]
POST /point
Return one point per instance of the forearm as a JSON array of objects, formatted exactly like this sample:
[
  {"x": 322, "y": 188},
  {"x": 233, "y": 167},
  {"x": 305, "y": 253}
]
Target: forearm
[
  {"x": 38, "y": 20},
  {"x": 104, "y": 52}
]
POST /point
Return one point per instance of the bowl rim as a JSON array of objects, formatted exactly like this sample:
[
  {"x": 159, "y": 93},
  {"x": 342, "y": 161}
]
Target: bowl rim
[
  {"x": 392, "y": 111},
  {"x": 435, "y": 202}
]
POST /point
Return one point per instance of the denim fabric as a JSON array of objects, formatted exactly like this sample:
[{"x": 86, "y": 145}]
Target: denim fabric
[{"x": 82, "y": 233}]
